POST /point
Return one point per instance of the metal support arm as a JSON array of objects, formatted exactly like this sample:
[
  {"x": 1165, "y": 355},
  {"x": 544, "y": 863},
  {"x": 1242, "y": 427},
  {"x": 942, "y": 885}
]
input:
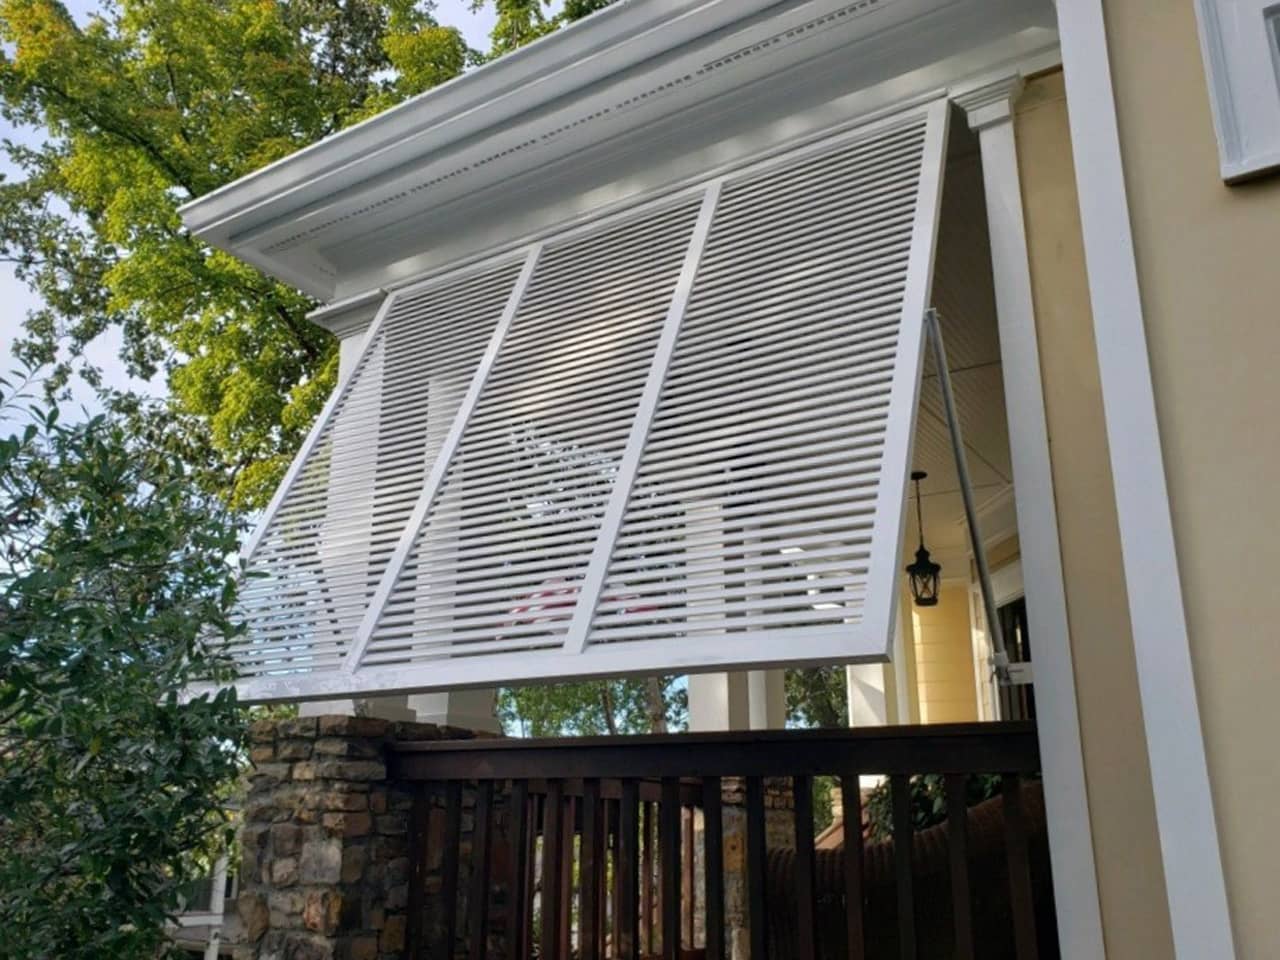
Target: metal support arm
[{"x": 1000, "y": 656}]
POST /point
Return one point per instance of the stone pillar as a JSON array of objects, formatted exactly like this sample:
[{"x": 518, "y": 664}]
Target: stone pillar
[{"x": 325, "y": 840}]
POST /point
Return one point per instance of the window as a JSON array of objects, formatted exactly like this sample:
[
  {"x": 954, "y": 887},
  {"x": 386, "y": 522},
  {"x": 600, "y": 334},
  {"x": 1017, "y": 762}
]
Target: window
[{"x": 1240, "y": 40}]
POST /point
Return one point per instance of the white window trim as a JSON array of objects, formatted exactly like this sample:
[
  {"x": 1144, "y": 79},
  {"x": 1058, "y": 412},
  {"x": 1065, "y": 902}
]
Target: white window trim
[
  {"x": 1239, "y": 88},
  {"x": 1194, "y": 882}
]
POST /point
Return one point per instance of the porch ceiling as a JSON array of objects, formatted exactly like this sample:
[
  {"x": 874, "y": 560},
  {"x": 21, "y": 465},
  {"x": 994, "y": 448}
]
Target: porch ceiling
[{"x": 964, "y": 294}]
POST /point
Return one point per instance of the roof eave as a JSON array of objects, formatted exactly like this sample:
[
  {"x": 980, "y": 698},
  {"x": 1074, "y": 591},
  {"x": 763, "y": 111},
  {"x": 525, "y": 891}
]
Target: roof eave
[{"x": 557, "y": 65}]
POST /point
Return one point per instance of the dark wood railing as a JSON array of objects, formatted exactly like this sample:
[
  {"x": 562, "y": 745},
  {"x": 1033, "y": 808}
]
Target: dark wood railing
[{"x": 622, "y": 847}]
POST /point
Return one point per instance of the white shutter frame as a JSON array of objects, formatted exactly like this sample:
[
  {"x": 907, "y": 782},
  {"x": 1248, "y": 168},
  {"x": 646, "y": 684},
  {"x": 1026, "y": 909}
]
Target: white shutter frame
[
  {"x": 881, "y": 606},
  {"x": 439, "y": 469},
  {"x": 578, "y": 655}
]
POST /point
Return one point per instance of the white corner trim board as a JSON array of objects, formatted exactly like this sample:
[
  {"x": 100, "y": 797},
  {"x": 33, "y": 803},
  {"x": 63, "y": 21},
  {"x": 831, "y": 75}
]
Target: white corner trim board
[
  {"x": 1194, "y": 881},
  {"x": 989, "y": 106}
]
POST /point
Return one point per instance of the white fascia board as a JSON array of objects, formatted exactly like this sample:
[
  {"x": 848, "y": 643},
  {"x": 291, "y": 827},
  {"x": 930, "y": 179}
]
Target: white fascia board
[{"x": 606, "y": 43}]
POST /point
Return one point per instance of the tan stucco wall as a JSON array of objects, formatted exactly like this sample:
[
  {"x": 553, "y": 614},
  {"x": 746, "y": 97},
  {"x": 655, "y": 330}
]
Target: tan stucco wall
[
  {"x": 1135, "y": 916},
  {"x": 943, "y": 654},
  {"x": 1209, "y": 269}
]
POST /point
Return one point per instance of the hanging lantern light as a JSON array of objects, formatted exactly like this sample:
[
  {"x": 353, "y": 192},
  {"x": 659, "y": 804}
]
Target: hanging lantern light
[{"x": 924, "y": 573}]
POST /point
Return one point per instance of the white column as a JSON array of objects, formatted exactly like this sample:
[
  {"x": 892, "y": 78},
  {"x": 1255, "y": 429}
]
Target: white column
[
  {"x": 990, "y": 111},
  {"x": 767, "y": 699},
  {"x": 718, "y": 701},
  {"x": 217, "y": 907},
  {"x": 867, "y": 696}
]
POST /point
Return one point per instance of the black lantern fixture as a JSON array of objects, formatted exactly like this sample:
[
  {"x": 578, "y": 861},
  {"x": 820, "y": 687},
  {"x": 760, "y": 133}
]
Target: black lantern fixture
[{"x": 923, "y": 572}]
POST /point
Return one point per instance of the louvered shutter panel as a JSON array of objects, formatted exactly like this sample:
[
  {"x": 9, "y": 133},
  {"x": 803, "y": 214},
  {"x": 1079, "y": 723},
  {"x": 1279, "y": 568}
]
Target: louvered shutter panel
[
  {"x": 756, "y": 499},
  {"x": 499, "y": 560},
  {"x": 675, "y": 439},
  {"x": 321, "y": 554}
]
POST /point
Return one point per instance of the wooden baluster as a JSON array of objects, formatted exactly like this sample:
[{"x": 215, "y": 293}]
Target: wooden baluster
[
  {"x": 566, "y": 877},
  {"x": 1015, "y": 842},
  {"x": 900, "y": 784},
  {"x": 552, "y": 864},
  {"x": 669, "y": 863},
  {"x": 655, "y": 879},
  {"x": 478, "y": 896},
  {"x": 851, "y": 801},
  {"x": 615, "y": 906},
  {"x": 419, "y": 829},
  {"x": 449, "y": 881},
  {"x": 806, "y": 879},
  {"x": 688, "y": 888},
  {"x": 648, "y": 834},
  {"x": 517, "y": 905},
  {"x": 625, "y": 923},
  {"x": 958, "y": 851},
  {"x": 757, "y": 864},
  {"x": 537, "y": 810},
  {"x": 713, "y": 865},
  {"x": 591, "y": 875},
  {"x": 603, "y": 900}
]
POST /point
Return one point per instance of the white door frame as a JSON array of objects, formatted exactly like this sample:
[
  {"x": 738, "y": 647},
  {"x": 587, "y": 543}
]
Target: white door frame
[
  {"x": 1194, "y": 881},
  {"x": 989, "y": 106}
]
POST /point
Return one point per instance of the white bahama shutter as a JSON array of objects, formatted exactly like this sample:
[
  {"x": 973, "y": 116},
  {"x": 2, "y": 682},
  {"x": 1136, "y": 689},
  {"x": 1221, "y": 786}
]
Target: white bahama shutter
[{"x": 675, "y": 439}]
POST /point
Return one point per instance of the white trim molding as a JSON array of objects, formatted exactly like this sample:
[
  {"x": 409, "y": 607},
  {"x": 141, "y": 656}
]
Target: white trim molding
[
  {"x": 989, "y": 106},
  {"x": 1194, "y": 880}
]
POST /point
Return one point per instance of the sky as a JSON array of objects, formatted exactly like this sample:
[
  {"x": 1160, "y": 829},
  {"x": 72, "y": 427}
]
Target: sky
[{"x": 16, "y": 300}]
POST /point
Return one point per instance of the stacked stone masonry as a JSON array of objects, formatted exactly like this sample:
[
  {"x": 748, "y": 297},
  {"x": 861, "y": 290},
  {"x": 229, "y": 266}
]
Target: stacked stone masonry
[{"x": 325, "y": 863}]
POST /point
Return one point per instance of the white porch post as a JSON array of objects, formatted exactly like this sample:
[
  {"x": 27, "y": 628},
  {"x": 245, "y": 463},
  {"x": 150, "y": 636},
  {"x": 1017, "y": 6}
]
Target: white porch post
[
  {"x": 989, "y": 107},
  {"x": 718, "y": 701},
  {"x": 738, "y": 700},
  {"x": 1194, "y": 881},
  {"x": 767, "y": 699},
  {"x": 867, "y": 694},
  {"x": 217, "y": 906}
]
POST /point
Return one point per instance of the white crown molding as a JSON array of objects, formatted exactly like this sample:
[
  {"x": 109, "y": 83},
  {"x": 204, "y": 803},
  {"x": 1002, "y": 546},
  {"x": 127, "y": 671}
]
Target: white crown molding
[
  {"x": 990, "y": 101},
  {"x": 349, "y": 317}
]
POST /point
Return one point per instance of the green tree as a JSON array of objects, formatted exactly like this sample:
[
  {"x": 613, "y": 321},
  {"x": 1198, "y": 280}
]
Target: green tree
[
  {"x": 816, "y": 697},
  {"x": 151, "y": 104},
  {"x": 522, "y": 21},
  {"x": 114, "y": 583},
  {"x": 597, "y": 707},
  {"x": 155, "y": 102}
]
